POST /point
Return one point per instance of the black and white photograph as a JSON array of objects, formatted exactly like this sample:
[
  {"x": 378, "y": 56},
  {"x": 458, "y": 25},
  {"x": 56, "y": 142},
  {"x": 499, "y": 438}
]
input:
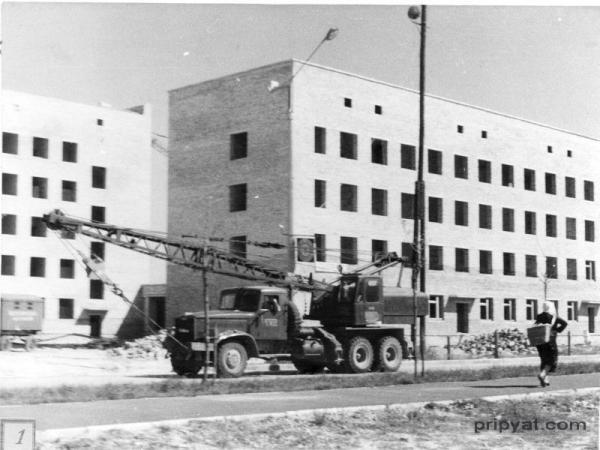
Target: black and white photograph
[{"x": 291, "y": 225}]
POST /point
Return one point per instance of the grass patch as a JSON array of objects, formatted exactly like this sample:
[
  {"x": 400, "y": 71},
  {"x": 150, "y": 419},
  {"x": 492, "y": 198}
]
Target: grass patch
[
  {"x": 185, "y": 387},
  {"x": 451, "y": 426}
]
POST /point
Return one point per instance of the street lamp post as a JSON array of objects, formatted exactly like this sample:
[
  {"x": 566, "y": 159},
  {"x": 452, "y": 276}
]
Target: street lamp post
[{"x": 418, "y": 271}]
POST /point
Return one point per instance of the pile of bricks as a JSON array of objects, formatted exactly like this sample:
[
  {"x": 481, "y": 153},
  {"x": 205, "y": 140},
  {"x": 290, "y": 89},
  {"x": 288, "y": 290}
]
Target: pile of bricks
[
  {"x": 148, "y": 347},
  {"x": 509, "y": 342}
]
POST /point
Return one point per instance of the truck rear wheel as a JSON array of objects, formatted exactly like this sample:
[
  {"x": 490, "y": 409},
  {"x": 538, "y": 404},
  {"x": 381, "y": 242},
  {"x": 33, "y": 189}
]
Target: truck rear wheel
[
  {"x": 359, "y": 355},
  {"x": 389, "y": 354},
  {"x": 231, "y": 360}
]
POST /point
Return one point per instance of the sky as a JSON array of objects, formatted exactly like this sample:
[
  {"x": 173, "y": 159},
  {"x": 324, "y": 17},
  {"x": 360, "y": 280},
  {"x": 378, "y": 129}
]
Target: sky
[{"x": 540, "y": 63}]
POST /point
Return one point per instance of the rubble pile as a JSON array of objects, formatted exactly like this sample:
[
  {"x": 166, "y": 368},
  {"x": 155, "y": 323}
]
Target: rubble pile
[
  {"x": 510, "y": 342},
  {"x": 147, "y": 347}
]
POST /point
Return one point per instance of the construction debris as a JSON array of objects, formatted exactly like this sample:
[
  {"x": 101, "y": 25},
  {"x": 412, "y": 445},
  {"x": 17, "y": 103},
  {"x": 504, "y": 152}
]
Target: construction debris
[
  {"x": 511, "y": 342},
  {"x": 148, "y": 347}
]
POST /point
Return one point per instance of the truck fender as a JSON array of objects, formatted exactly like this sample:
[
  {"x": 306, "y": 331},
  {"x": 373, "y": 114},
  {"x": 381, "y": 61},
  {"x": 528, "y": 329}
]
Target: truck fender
[{"x": 247, "y": 340}]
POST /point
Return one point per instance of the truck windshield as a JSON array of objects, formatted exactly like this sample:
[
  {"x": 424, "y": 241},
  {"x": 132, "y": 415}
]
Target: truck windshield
[{"x": 242, "y": 300}]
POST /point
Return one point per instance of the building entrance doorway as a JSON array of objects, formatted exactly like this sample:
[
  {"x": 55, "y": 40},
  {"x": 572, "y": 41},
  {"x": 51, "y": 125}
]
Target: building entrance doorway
[
  {"x": 95, "y": 325},
  {"x": 462, "y": 317},
  {"x": 157, "y": 311}
]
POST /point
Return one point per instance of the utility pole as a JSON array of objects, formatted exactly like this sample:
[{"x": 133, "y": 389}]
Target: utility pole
[{"x": 418, "y": 272}]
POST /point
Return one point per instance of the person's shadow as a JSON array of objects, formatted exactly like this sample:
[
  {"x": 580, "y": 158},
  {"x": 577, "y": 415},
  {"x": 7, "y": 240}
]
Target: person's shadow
[{"x": 502, "y": 386}]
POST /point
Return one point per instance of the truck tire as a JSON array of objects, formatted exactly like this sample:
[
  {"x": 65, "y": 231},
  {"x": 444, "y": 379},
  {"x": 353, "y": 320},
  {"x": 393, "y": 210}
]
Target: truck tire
[
  {"x": 186, "y": 368},
  {"x": 389, "y": 354},
  {"x": 359, "y": 355},
  {"x": 231, "y": 360}
]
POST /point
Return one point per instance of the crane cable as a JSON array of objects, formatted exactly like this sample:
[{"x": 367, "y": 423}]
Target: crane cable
[{"x": 115, "y": 289}]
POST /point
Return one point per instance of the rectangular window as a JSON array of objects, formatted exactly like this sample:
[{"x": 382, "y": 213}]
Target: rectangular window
[
  {"x": 570, "y": 187},
  {"x": 69, "y": 191},
  {"x": 98, "y": 214},
  {"x": 378, "y": 109},
  {"x": 320, "y": 193},
  {"x": 461, "y": 213},
  {"x": 349, "y": 254},
  {"x": 461, "y": 167},
  {"x": 40, "y": 147},
  {"x": 9, "y": 224},
  {"x": 508, "y": 219},
  {"x": 460, "y": 129},
  {"x": 436, "y": 257},
  {"x": 530, "y": 222},
  {"x": 98, "y": 249},
  {"x": 9, "y": 184},
  {"x": 571, "y": 228},
  {"x": 485, "y": 261},
  {"x": 571, "y": 269},
  {"x": 238, "y": 197},
  {"x": 10, "y": 143},
  {"x": 590, "y": 270},
  {"x": 408, "y": 156},
  {"x": 69, "y": 152},
  {"x": 550, "y": 225},
  {"x": 96, "y": 289},
  {"x": 436, "y": 212},
  {"x": 38, "y": 227},
  {"x": 237, "y": 246},
  {"x": 65, "y": 308},
  {"x": 462, "y": 260},
  {"x": 508, "y": 178},
  {"x": 238, "y": 145},
  {"x": 485, "y": 217},
  {"x": 434, "y": 161},
  {"x": 486, "y": 309},
  {"x": 509, "y": 263},
  {"x": 409, "y": 254},
  {"x": 8, "y": 265},
  {"x": 348, "y": 145},
  {"x": 485, "y": 171},
  {"x": 588, "y": 190},
  {"x": 529, "y": 179},
  {"x": 99, "y": 177},
  {"x": 572, "y": 311},
  {"x": 378, "y": 249},
  {"x": 531, "y": 266},
  {"x": 378, "y": 151},
  {"x": 590, "y": 231},
  {"x": 407, "y": 207},
  {"x": 67, "y": 268},
  {"x": 39, "y": 187},
  {"x": 531, "y": 309},
  {"x": 436, "y": 307},
  {"x": 510, "y": 310},
  {"x": 348, "y": 197},
  {"x": 347, "y": 102},
  {"x": 379, "y": 202},
  {"x": 37, "y": 267},
  {"x": 550, "y": 183},
  {"x": 320, "y": 140},
  {"x": 320, "y": 244},
  {"x": 551, "y": 267}
]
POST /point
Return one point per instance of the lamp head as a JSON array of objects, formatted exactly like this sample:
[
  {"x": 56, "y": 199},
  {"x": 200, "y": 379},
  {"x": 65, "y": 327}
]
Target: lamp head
[{"x": 414, "y": 12}]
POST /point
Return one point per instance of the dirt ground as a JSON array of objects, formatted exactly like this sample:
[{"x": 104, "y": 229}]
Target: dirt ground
[{"x": 460, "y": 425}]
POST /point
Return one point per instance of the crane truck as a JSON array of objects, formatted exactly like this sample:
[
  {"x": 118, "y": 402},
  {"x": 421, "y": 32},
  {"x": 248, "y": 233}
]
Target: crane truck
[{"x": 354, "y": 324}]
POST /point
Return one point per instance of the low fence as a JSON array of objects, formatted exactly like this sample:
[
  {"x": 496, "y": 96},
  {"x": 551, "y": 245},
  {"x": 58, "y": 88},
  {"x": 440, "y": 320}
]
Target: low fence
[{"x": 503, "y": 344}]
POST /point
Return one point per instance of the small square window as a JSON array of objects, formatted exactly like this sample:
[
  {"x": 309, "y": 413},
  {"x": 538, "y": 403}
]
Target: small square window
[
  {"x": 10, "y": 143},
  {"x": 459, "y": 129},
  {"x": 569, "y": 153},
  {"x": 549, "y": 148},
  {"x": 238, "y": 145},
  {"x": 348, "y": 102},
  {"x": 99, "y": 122},
  {"x": 40, "y": 147},
  {"x": 98, "y": 214},
  {"x": 378, "y": 109},
  {"x": 69, "y": 152},
  {"x": 483, "y": 134}
]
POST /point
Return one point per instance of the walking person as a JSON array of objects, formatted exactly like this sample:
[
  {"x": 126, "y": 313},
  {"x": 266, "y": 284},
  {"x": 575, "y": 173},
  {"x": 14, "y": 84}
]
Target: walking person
[{"x": 549, "y": 351}]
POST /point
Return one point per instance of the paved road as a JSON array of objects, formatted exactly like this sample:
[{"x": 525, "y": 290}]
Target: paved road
[{"x": 66, "y": 415}]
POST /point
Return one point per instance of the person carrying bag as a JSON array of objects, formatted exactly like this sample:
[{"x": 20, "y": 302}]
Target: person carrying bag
[{"x": 548, "y": 351}]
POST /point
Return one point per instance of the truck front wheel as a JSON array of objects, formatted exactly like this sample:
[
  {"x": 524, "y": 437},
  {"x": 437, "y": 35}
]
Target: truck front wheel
[
  {"x": 389, "y": 354},
  {"x": 359, "y": 355},
  {"x": 231, "y": 360}
]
